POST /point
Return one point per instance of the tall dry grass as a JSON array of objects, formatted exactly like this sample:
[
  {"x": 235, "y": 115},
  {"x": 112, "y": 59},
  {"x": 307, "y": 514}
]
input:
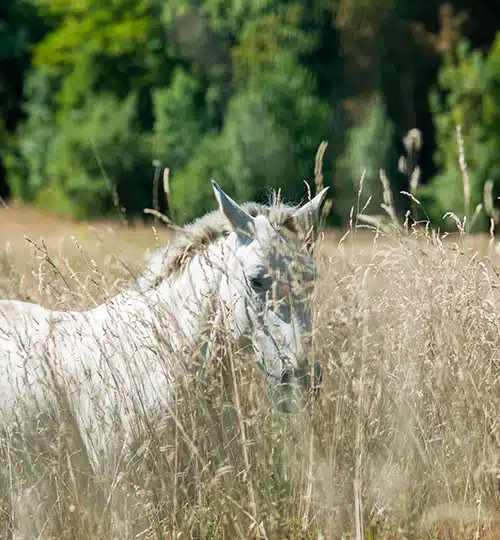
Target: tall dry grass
[{"x": 402, "y": 441}]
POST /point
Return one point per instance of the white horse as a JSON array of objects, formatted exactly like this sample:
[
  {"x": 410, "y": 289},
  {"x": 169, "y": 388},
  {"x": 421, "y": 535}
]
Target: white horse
[{"x": 245, "y": 267}]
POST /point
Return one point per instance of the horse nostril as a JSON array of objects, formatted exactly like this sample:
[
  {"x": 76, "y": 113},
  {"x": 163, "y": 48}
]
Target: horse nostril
[{"x": 286, "y": 377}]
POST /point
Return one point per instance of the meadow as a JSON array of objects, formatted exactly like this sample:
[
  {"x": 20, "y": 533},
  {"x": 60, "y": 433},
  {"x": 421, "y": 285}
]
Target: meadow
[{"x": 401, "y": 441}]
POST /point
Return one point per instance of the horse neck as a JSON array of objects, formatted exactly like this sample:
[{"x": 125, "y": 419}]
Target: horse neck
[
  {"x": 180, "y": 304},
  {"x": 187, "y": 295},
  {"x": 121, "y": 310}
]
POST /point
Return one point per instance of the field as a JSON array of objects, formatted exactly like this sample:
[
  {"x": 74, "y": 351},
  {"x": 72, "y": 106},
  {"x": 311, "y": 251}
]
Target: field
[{"x": 402, "y": 441}]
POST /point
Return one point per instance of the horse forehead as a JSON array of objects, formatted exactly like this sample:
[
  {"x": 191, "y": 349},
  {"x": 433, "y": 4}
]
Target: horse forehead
[
  {"x": 264, "y": 231},
  {"x": 268, "y": 246},
  {"x": 269, "y": 243}
]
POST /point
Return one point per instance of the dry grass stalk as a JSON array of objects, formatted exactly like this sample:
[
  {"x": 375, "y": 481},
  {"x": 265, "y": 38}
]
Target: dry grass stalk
[
  {"x": 402, "y": 441},
  {"x": 465, "y": 173}
]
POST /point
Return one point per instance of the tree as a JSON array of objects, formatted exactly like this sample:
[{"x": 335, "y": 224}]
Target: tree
[
  {"x": 369, "y": 148},
  {"x": 20, "y": 28},
  {"x": 467, "y": 95},
  {"x": 271, "y": 132},
  {"x": 191, "y": 187},
  {"x": 179, "y": 121},
  {"x": 115, "y": 47},
  {"x": 90, "y": 169},
  {"x": 90, "y": 112},
  {"x": 27, "y": 155}
]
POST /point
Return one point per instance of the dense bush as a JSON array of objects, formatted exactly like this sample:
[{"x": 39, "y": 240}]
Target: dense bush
[
  {"x": 89, "y": 163},
  {"x": 240, "y": 90},
  {"x": 192, "y": 189},
  {"x": 270, "y": 135},
  {"x": 79, "y": 163},
  {"x": 468, "y": 95},
  {"x": 179, "y": 125},
  {"x": 369, "y": 148},
  {"x": 27, "y": 159}
]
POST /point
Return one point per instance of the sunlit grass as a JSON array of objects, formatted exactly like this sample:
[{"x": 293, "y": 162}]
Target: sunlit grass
[{"x": 401, "y": 442}]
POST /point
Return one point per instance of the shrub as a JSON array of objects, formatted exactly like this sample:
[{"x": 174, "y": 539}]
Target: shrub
[
  {"x": 369, "y": 148},
  {"x": 178, "y": 125},
  {"x": 98, "y": 149},
  {"x": 191, "y": 188},
  {"x": 27, "y": 159},
  {"x": 467, "y": 94},
  {"x": 271, "y": 132}
]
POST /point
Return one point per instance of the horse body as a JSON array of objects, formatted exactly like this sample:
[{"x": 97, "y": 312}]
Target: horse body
[
  {"x": 119, "y": 359},
  {"x": 104, "y": 358}
]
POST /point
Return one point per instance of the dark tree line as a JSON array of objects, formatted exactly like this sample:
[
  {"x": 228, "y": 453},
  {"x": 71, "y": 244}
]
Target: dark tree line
[{"x": 92, "y": 93}]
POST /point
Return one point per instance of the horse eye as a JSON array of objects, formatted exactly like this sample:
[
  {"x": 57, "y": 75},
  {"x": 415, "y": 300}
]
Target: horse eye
[{"x": 256, "y": 283}]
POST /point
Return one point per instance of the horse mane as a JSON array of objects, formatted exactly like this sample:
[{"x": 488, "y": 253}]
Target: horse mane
[{"x": 195, "y": 238}]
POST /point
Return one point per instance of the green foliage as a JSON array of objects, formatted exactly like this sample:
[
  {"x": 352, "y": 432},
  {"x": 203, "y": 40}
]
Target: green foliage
[
  {"x": 272, "y": 130},
  {"x": 98, "y": 149},
  {"x": 191, "y": 188},
  {"x": 89, "y": 112},
  {"x": 228, "y": 96},
  {"x": 27, "y": 162},
  {"x": 179, "y": 126},
  {"x": 73, "y": 166},
  {"x": 271, "y": 116},
  {"x": 259, "y": 150},
  {"x": 229, "y": 42},
  {"x": 243, "y": 91},
  {"x": 20, "y": 28},
  {"x": 263, "y": 40},
  {"x": 112, "y": 47},
  {"x": 369, "y": 148},
  {"x": 468, "y": 94}
]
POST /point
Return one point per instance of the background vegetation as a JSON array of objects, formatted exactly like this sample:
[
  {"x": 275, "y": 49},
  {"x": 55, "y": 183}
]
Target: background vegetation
[
  {"x": 244, "y": 92},
  {"x": 403, "y": 439}
]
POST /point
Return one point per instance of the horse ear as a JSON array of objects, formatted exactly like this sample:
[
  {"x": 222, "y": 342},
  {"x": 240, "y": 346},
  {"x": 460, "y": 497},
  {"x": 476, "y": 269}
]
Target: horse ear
[
  {"x": 239, "y": 219},
  {"x": 307, "y": 217}
]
